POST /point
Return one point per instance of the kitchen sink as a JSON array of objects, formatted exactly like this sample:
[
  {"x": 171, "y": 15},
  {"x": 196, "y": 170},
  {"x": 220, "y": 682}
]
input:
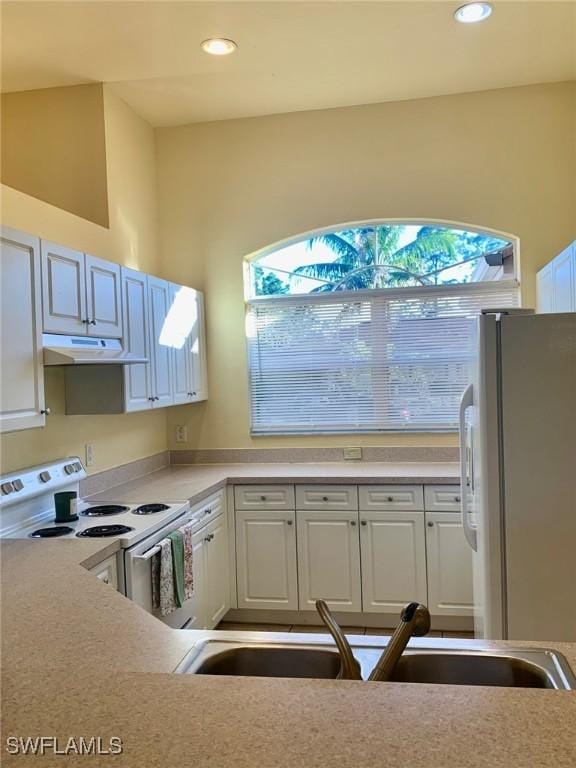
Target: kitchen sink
[{"x": 511, "y": 668}]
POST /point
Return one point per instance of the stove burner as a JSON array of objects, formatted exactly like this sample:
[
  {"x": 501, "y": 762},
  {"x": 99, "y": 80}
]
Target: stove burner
[
  {"x": 149, "y": 509},
  {"x": 100, "y": 531},
  {"x": 50, "y": 533},
  {"x": 104, "y": 509}
]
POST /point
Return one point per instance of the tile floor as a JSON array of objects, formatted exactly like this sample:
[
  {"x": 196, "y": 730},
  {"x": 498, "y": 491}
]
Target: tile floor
[{"x": 233, "y": 626}]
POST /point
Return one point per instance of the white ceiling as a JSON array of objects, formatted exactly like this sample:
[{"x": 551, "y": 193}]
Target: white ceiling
[{"x": 292, "y": 55}]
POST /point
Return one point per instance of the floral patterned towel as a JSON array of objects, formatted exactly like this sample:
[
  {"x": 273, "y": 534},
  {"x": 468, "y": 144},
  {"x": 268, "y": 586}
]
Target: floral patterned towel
[
  {"x": 163, "y": 574},
  {"x": 163, "y": 579}
]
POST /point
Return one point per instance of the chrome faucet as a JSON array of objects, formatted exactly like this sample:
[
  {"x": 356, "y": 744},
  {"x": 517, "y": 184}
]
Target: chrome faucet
[
  {"x": 414, "y": 622},
  {"x": 349, "y": 667}
]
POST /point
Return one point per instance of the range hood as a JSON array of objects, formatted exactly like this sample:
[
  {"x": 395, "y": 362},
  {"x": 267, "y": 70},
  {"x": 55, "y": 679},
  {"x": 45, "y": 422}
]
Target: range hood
[{"x": 86, "y": 350}]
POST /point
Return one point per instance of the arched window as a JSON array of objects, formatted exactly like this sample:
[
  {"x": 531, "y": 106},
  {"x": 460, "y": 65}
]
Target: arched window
[
  {"x": 370, "y": 327},
  {"x": 381, "y": 256}
]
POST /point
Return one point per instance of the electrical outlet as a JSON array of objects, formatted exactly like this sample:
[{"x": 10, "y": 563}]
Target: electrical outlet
[
  {"x": 90, "y": 458},
  {"x": 181, "y": 433},
  {"x": 351, "y": 454}
]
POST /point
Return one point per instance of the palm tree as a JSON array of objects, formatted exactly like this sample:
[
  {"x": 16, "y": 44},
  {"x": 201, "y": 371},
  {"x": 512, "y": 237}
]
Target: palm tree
[{"x": 369, "y": 257}]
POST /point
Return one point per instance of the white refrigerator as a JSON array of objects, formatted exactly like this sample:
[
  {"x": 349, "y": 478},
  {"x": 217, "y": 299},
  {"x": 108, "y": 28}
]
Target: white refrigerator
[{"x": 518, "y": 475}]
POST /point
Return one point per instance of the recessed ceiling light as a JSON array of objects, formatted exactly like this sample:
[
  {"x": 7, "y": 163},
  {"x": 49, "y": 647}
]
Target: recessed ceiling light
[
  {"x": 218, "y": 46},
  {"x": 473, "y": 12}
]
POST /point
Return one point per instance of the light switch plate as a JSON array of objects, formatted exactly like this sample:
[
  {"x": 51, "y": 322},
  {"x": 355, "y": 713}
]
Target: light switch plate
[
  {"x": 181, "y": 433},
  {"x": 352, "y": 454}
]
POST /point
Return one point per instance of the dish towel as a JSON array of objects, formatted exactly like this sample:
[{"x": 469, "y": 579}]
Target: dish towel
[
  {"x": 163, "y": 579},
  {"x": 188, "y": 565},
  {"x": 177, "y": 540}
]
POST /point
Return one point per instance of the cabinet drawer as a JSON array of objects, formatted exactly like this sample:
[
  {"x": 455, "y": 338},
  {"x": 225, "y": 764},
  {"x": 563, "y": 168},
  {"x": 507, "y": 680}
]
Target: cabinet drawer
[
  {"x": 211, "y": 507},
  {"x": 442, "y": 498},
  {"x": 326, "y": 497},
  {"x": 391, "y": 497},
  {"x": 264, "y": 497}
]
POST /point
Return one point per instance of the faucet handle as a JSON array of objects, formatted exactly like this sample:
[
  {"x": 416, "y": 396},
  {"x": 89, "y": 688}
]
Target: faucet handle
[
  {"x": 419, "y": 615},
  {"x": 349, "y": 667}
]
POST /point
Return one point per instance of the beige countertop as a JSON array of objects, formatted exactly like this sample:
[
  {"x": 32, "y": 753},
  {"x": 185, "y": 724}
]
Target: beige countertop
[
  {"x": 177, "y": 483},
  {"x": 79, "y": 659}
]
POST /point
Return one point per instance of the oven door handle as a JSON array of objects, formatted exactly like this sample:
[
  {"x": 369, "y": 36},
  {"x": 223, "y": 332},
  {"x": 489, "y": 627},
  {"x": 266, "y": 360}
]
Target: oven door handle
[{"x": 149, "y": 554}]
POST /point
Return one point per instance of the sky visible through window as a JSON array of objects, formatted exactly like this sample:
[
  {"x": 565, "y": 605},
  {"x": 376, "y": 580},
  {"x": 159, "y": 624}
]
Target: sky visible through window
[{"x": 381, "y": 256}]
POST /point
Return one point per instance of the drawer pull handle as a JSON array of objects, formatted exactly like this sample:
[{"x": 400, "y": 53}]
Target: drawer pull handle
[
  {"x": 45, "y": 411},
  {"x": 456, "y": 498},
  {"x": 430, "y": 525},
  {"x": 208, "y": 511},
  {"x": 324, "y": 498},
  {"x": 363, "y": 522},
  {"x": 352, "y": 522},
  {"x": 390, "y": 498},
  {"x": 289, "y": 522},
  {"x": 262, "y": 498}
]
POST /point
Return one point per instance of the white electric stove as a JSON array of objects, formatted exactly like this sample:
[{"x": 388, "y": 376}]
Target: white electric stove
[{"x": 27, "y": 508}]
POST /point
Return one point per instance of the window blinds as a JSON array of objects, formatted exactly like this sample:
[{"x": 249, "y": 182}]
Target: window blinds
[{"x": 368, "y": 362}]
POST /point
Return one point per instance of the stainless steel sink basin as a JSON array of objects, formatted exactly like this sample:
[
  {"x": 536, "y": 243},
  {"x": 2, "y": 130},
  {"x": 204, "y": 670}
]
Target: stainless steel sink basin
[
  {"x": 514, "y": 667},
  {"x": 473, "y": 668},
  {"x": 271, "y": 662}
]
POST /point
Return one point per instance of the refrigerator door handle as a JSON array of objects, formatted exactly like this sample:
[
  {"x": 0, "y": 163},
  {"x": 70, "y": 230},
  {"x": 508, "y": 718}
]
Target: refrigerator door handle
[{"x": 466, "y": 402}]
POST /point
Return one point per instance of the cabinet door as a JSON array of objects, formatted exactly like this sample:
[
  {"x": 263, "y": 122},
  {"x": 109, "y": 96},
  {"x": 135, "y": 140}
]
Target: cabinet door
[
  {"x": 21, "y": 367},
  {"x": 161, "y": 341},
  {"x": 217, "y": 577},
  {"x": 198, "y": 601},
  {"x": 198, "y": 363},
  {"x": 449, "y": 566},
  {"x": 393, "y": 560},
  {"x": 107, "y": 571},
  {"x": 137, "y": 394},
  {"x": 564, "y": 270},
  {"x": 329, "y": 560},
  {"x": 545, "y": 289},
  {"x": 63, "y": 290},
  {"x": 104, "y": 298},
  {"x": 266, "y": 560},
  {"x": 182, "y": 310}
]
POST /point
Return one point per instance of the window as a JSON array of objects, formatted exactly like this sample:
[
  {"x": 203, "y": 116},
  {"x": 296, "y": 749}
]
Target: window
[{"x": 370, "y": 328}]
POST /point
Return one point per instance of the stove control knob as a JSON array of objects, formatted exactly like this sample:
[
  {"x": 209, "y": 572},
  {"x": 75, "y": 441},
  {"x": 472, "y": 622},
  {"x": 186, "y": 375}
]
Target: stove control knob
[
  {"x": 77, "y": 466},
  {"x": 44, "y": 476},
  {"x": 69, "y": 469},
  {"x": 18, "y": 484},
  {"x": 7, "y": 488}
]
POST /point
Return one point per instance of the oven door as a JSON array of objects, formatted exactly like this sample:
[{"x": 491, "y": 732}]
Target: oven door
[{"x": 138, "y": 575}]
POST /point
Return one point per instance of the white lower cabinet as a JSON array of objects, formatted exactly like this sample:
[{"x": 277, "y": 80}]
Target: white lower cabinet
[
  {"x": 107, "y": 572},
  {"x": 210, "y": 568},
  {"x": 329, "y": 560},
  {"x": 393, "y": 553},
  {"x": 449, "y": 560},
  {"x": 266, "y": 559}
]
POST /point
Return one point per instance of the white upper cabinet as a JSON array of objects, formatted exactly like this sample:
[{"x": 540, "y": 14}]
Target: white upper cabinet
[
  {"x": 22, "y": 371},
  {"x": 186, "y": 331},
  {"x": 137, "y": 391},
  {"x": 63, "y": 290},
  {"x": 161, "y": 341},
  {"x": 556, "y": 283},
  {"x": 329, "y": 560},
  {"x": 81, "y": 294},
  {"x": 103, "y": 298}
]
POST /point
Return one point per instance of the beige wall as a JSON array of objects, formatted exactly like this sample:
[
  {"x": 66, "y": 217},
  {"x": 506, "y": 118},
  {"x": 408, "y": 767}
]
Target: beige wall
[
  {"x": 131, "y": 240},
  {"x": 498, "y": 159},
  {"x": 54, "y": 148}
]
